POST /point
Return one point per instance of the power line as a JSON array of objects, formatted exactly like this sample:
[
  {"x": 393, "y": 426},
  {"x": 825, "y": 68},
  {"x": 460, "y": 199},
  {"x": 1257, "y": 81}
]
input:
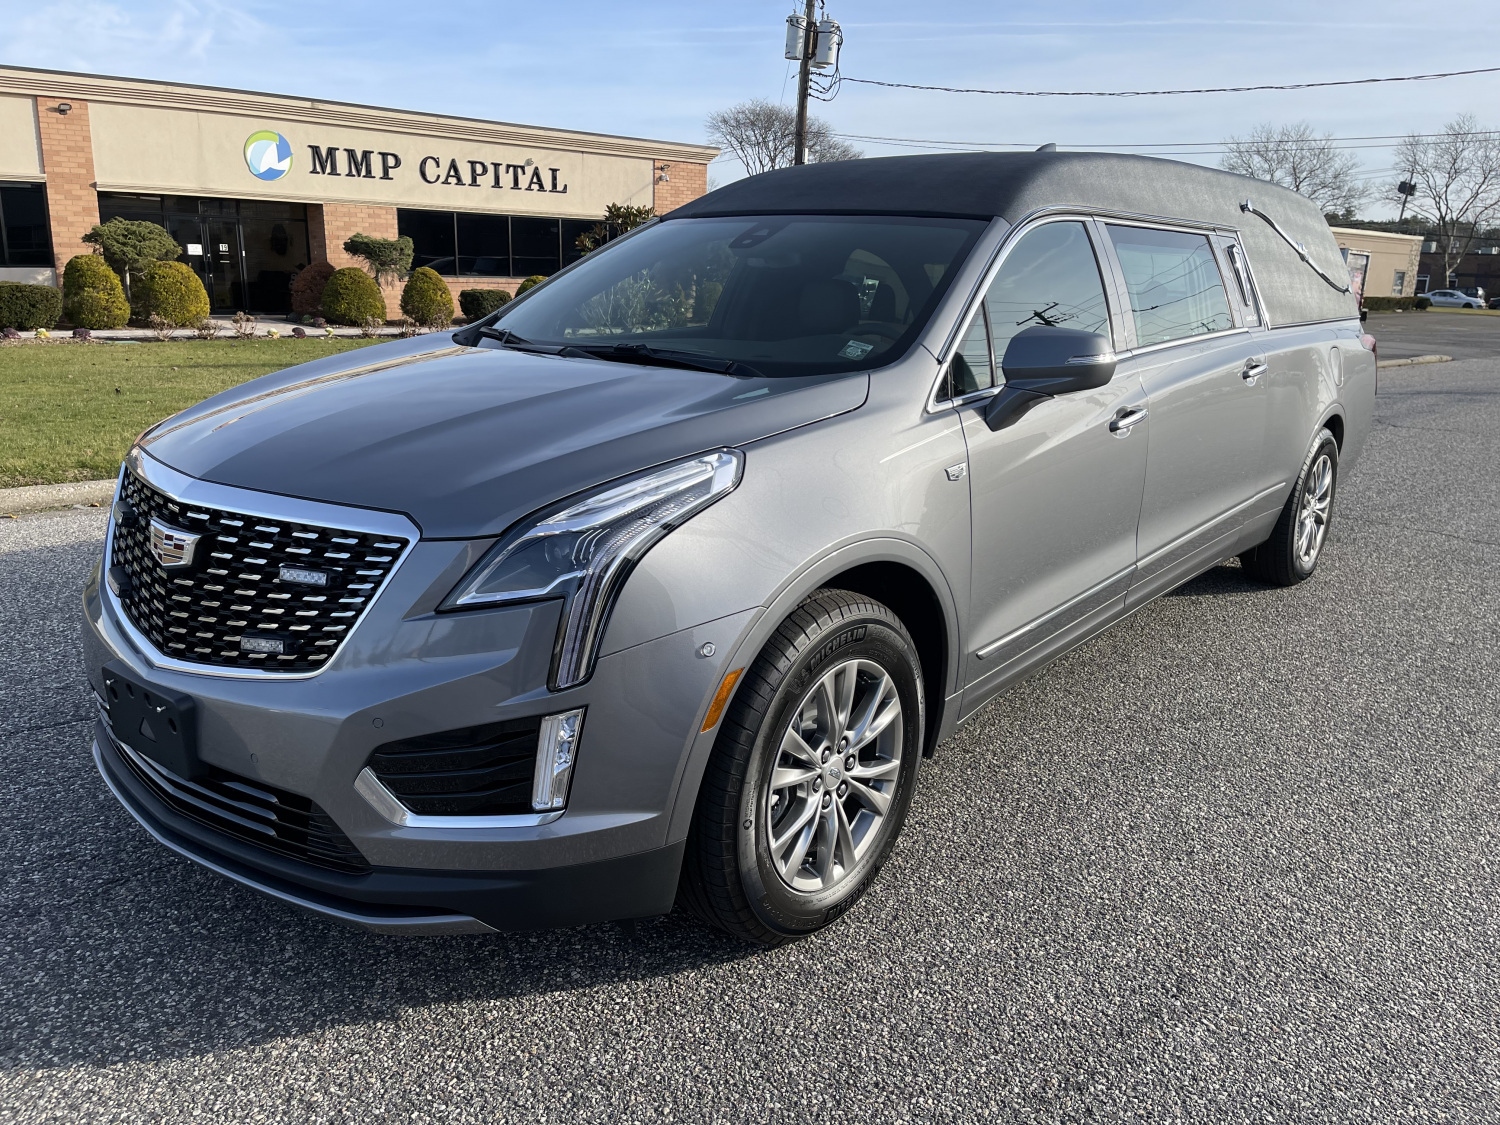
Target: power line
[
  {"x": 1212, "y": 145},
  {"x": 1159, "y": 93}
]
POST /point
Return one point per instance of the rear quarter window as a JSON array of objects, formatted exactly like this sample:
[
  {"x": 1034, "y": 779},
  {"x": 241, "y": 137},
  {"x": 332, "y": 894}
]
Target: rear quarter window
[{"x": 1173, "y": 284}]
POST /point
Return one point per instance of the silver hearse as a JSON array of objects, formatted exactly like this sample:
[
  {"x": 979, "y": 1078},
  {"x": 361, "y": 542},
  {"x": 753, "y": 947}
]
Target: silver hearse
[{"x": 658, "y": 584}]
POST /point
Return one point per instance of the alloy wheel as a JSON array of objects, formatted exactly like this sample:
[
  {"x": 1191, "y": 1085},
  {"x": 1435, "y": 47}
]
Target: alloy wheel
[
  {"x": 834, "y": 776},
  {"x": 1312, "y": 516}
]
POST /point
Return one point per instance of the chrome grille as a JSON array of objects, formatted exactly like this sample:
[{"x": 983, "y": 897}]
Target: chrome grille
[{"x": 233, "y": 607}]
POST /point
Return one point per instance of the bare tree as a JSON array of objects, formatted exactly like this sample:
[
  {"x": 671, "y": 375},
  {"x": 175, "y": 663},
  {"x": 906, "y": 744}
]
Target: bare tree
[
  {"x": 761, "y": 135},
  {"x": 1292, "y": 156},
  {"x": 1457, "y": 176}
]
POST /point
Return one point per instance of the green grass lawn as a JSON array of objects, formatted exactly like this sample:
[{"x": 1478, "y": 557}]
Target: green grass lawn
[{"x": 69, "y": 410}]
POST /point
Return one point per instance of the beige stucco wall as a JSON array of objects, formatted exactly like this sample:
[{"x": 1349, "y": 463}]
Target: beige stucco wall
[
  {"x": 20, "y": 152},
  {"x": 203, "y": 153},
  {"x": 1388, "y": 253}
]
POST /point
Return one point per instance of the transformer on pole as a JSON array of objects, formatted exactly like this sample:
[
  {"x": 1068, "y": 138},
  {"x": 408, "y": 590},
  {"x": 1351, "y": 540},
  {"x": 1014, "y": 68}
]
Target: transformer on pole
[{"x": 813, "y": 46}]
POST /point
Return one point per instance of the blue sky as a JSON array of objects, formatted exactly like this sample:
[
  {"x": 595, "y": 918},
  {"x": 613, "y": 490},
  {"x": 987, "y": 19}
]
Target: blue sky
[{"x": 656, "y": 69}]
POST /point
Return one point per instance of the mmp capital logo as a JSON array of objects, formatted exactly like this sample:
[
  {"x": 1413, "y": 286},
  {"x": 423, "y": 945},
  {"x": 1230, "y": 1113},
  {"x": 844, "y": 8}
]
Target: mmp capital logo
[{"x": 268, "y": 155}]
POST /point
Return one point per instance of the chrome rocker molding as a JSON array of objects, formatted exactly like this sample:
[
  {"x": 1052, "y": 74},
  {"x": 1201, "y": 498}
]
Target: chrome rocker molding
[
  {"x": 1088, "y": 597},
  {"x": 415, "y": 926},
  {"x": 191, "y": 490},
  {"x": 383, "y": 801}
]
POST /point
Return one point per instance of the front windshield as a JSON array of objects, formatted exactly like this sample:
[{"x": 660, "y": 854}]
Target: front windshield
[{"x": 784, "y": 295}]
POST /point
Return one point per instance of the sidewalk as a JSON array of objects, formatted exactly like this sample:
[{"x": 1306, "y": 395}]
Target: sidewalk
[
  {"x": 263, "y": 328},
  {"x": 43, "y": 497}
]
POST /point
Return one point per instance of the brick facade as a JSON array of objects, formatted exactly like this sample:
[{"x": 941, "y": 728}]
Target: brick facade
[
  {"x": 685, "y": 183},
  {"x": 68, "y": 163},
  {"x": 329, "y": 225}
]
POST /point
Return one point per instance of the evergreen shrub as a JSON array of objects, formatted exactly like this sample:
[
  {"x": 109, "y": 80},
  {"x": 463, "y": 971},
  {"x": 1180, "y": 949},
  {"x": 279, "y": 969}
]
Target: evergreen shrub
[
  {"x": 171, "y": 292},
  {"x": 427, "y": 300},
  {"x": 479, "y": 303},
  {"x": 352, "y": 297},
  {"x": 530, "y": 283},
  {"x": 29, "y": 307},
  {"x": 92, "y": 294}
]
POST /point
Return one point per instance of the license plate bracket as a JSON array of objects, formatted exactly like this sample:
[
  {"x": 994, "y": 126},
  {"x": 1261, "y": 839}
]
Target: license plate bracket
[{"x": 155, "y": 722}]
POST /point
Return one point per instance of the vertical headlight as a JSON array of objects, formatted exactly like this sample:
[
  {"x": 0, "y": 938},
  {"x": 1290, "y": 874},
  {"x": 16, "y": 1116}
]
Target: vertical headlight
[{"x": 582, "y": 550}]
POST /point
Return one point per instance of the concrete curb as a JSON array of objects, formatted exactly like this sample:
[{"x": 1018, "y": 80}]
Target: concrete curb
[
  {"x": 42, "y": 497},
  {"x": 1414, "y": 360}
]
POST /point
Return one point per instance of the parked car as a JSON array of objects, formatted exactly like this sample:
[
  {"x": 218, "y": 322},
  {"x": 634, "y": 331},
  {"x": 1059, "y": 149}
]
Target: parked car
[
  {"x": 1453, "y": 299},
  {"x": 1476, "y": 292},
  {"x": 657, "y": 584},
  {"x": 1493, "y": 303}
]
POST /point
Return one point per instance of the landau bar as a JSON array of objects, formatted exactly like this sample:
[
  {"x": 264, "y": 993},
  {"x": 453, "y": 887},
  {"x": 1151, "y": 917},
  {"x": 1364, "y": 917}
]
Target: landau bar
[{"x": 360, "y": 164}]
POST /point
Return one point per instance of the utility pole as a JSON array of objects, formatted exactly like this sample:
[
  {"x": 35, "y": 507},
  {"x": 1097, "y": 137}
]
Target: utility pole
[{"x": 804, "y": 75}]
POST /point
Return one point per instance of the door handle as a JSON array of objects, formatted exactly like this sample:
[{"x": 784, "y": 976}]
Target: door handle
[
  {"x": 1254, "y": 368},
  {"x": 1127, "y": 417}
]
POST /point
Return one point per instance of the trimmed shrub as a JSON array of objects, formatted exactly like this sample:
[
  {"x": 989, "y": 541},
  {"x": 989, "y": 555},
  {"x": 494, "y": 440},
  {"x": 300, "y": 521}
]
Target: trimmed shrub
[
  {"x": 307, "y": 287},
  {"x": 171, "y": 292},
  {"x": 427, "y": 300},
  {"x": 352, "y": 297},
  {"x": 479, "y": 303},
  {"x": 530, "y": 283},
  {"x": 29, "y": 307},
  {"x": 1423, "y": 303},
  {"x": 130, "y": 245},
  {"x": 389, "y": 258},
  {"x": 1392, "y": 304},
  {"x": 92, "y": 294}
]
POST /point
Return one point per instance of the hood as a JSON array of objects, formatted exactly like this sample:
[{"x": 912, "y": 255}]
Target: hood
[{"x": 465, "y": 441}]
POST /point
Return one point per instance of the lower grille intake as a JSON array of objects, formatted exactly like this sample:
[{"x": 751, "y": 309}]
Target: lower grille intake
[
  {"x": 252, "y": 812},
  {"x": 471, "y": 771}
]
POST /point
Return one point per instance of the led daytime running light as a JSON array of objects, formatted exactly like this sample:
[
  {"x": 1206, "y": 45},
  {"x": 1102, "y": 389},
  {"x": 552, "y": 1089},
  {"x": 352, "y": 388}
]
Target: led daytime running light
[{"x": 583, "y": 550}]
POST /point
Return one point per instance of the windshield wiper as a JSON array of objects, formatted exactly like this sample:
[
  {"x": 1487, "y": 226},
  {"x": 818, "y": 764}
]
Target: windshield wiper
[
  {"x": 664, "y": 357},
  {"x": 508, "y": 339}
]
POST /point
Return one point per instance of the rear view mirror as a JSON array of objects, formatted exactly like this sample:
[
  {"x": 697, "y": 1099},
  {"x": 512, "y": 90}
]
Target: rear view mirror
[{"x": 1044, "y": 361}]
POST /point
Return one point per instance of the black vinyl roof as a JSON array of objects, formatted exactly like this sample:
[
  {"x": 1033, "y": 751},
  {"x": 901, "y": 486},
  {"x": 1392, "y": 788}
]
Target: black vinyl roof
[{"x": 1010, "y": 185}]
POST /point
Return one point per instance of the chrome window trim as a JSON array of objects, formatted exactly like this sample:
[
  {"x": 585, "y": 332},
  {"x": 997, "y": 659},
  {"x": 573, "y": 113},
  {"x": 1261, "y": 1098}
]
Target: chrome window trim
[
  {"x": 1018, "y": 230},
  {"x": 191, "y": 490},
  {"x": 1149, "y": 349},
  {"x": 1181, "y": 226},
  {"x": 384, "y": 802}
]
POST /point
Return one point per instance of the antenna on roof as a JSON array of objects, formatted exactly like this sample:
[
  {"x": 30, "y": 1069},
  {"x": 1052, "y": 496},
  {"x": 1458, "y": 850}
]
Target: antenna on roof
[{"x": 1048, "y": 147}]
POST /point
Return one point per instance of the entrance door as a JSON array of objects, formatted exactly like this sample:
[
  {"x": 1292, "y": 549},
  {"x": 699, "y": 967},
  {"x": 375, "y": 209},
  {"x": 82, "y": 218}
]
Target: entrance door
[
  {"x": 223, "y": 261},
  {"x": 212, "y": 247},
  {"x": 1055, "y": 497}
]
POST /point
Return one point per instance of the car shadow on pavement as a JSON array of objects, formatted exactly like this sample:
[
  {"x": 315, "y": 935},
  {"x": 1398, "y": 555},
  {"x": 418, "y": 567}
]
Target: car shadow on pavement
[
  {"x": 113, "y": 948},
  {"x": 1226, "y": 578}
]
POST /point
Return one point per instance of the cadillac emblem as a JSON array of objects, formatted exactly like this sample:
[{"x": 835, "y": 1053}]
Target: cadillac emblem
[{"x": 172, "y": 547}]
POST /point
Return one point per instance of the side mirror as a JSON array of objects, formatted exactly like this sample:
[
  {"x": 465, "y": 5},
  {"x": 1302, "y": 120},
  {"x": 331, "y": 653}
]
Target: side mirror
[{"x": 1044, "y": 361}]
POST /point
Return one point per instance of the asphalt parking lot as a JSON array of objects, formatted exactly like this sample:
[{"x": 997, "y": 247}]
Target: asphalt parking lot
[
  {"x": 1235, "y": 861},
  {"x": 1435, "y": 332}
]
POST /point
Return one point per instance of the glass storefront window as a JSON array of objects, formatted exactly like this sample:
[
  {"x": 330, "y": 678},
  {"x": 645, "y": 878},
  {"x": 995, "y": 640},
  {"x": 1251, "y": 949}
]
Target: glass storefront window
[
  {"x": 24, "y": 237},
  {"x": 484, "y": 245},
  {"x": 245, "y": 251},
  {"x": 466, "y": 244},
  {"x": 536, "y": 246}
]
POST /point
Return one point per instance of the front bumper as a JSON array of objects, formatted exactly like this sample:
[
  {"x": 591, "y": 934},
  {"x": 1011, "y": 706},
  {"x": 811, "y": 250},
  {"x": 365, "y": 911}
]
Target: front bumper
[
  {"x": 403, "y": 901},
  {"x": 404, "y": 672}
]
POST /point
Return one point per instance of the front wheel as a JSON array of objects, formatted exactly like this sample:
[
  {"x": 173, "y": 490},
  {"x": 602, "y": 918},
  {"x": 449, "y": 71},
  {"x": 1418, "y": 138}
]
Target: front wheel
[
  {"x": 811, "y": 774},
  {"x": 1291, "y": 554}
]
